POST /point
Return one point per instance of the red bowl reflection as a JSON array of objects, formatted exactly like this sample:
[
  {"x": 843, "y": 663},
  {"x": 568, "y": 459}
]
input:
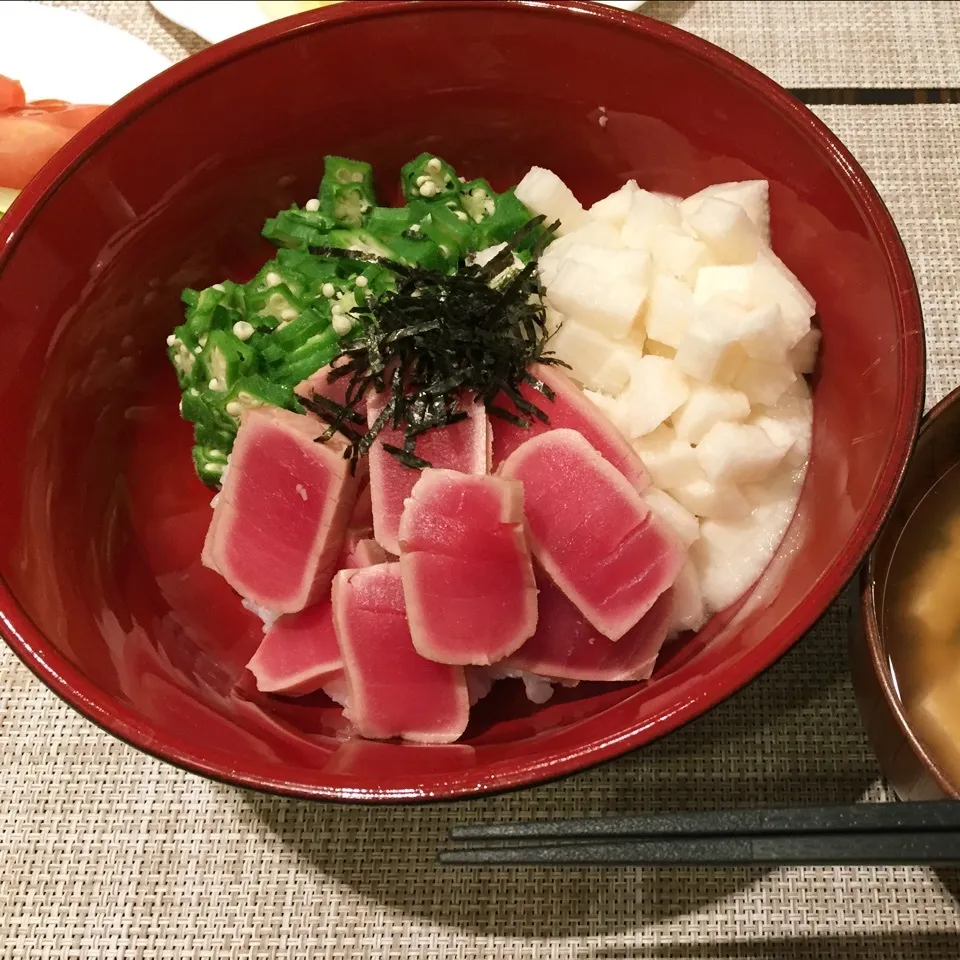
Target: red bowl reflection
[{"x": 101, "y": 518}]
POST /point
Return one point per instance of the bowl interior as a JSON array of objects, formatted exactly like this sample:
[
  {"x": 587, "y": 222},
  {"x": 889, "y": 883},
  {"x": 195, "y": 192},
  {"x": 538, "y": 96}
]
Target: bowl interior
[{"x": 101, "y": 518}]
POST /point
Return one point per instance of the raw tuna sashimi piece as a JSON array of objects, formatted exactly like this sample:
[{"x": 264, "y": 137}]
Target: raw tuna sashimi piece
[
  {"x": 393, "y": 691},
  {"x": 319, "y": 384},
  {"x": 280, "y": 519},
  {"x": 299, "y": 653},
  {"x": 461, "y": 446},
  {"x": 572, "y": 410},
  {"x": 566, "y": 646},
  {"x": 592, "y": 532},
  {"x": 467, "y": 575},
  {"x": 363, "y": 552}
]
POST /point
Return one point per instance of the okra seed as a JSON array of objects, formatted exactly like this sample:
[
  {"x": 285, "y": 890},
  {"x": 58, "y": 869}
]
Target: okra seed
[
  {"x": 362, "y": 281},
  {"x": 429, "y": 189},
  {"x": 198, "y": 350},
  {"x": 171, "y": 340},
  {"x": 342, "y": 324},
  {"x": 312, "y": 205},
  {"x": 214, "y": 384},
  {"x": 243, "y": 330},
  {"x": 459, "y": 214},
  {"x": 433, "y": 165},
  {"x": 421, "y": 180},
  {"x": 219, "y": 287},
  {"x": 234, "y": 408},
  {"x": 273, "y": 279},
  {"x": 328, "y": 290},
  {"x": 288, "y": 314}
]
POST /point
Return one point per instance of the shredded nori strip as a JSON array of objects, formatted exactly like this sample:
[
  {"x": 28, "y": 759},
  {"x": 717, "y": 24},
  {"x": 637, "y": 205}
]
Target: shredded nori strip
[{"x": 439, "y": 342}]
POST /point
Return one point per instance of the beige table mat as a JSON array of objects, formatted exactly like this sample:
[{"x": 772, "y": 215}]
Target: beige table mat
[
  {"x": 800, "y": 43},
  {"x": 106, "y": 853}
]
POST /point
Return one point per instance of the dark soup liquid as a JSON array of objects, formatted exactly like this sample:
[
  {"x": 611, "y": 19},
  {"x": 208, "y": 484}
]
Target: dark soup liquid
[{"x": 922, "y": 620}]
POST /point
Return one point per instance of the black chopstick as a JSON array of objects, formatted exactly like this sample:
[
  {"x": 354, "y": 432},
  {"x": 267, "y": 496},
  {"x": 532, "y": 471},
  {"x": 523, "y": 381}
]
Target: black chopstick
[
  {"x": 928, "y": 815},
  {"x": 810, "y": 849},
  {"x": 871, "y": 834}
]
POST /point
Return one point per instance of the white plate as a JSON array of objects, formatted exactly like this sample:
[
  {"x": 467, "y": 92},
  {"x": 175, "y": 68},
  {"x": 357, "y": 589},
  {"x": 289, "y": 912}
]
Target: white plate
[
  {"x": 216, "y": 20},
  {"x": 63, "y": 55}
]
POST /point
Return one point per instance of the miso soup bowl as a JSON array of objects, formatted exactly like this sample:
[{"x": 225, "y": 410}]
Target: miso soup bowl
[
  {"x": 101, "y": 518},
  {"x": 914, "y": 770}
]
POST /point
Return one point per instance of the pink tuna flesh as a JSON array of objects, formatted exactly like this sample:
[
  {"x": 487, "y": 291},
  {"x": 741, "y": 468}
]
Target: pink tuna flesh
[
  {"x": 320, "y": 385},
  {"x": 566, "y": 646},
  {"x": 569, "y": 409},
  {"x": 591, "y": 531},
  {"x": 461, "y": 446},
  {"x": 467, "y": 575},
  {"x": 280, "y": 518},
  {"x": 365, "y": 553},
  {"x": 393, "y": 691},
  {"x": 299, "y": 653}
]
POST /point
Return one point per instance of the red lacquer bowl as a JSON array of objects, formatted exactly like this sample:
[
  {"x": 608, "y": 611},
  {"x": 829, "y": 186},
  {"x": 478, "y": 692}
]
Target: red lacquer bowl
[{"x": 101, "y": 518}]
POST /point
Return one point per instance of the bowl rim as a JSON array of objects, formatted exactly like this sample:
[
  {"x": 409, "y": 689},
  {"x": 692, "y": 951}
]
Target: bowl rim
[
  {"x": 879, "y": 661},
  {"x": 36, "y": 652}
]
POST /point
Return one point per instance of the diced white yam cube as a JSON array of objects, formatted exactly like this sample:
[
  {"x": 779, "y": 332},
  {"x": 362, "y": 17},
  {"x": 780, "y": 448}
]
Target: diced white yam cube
[
  {"x": 773, "y": 282},
  {"x": 613, "y": 208},
  {"x": 596, "y": 362},
  {"x": 726, "y": 229},
  {"x": 657, "y": 349},
  {"x": 763, "y": 382},
  {"x": 737, "y": 453},
  {"x": 752, "y": 195},
  {"x": 731, "y": 282},
  {"x": 708, "y": 405},
  {"x": 711, "y": 333},
  {"x": 689, "y": 611},
  {"x": 657, "y": 389},
  {"x": 594, "y": 234},
  {"x": 609, "y": 304},
  {"x": 788, "y": 423},
  {"x": 804, "y": 355},
  {"x": 634, "y": 265},
  {"x": 722, "y": 501},
  {"x": 616, "y": 409},
  {"x": 553, "y": 317},
  {"x": 677, "y": 254},
  {"x": 545, "y": 193},
  {"x": 731, "y": 364},
  {"x": 673, "y": 514},
  {"x": 763, "y": 334},
  {"x": 647, "y": 213},
  {"x": 669, "y": 310},
  {"x": 669, "y": 461}
]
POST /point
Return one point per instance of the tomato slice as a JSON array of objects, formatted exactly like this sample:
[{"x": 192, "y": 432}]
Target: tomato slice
[
  {"x": 26, "y": 144},
  {"x": 11, "y": 93},
  {"x": 74, "y": 116}
]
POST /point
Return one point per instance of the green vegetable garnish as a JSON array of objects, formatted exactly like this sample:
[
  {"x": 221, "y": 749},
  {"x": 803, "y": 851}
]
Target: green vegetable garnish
[{"x": 342, "y": 260}]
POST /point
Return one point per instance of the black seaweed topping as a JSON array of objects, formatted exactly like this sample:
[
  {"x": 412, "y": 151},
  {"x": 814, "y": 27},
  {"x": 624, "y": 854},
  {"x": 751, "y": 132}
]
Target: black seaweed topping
[{"x": 438, "y": 343}]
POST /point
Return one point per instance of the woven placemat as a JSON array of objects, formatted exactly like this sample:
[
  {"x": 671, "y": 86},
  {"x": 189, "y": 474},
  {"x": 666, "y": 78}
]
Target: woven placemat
[
  {"x": 800, "y": 43},
  {"x": 110, "y": 854}
]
